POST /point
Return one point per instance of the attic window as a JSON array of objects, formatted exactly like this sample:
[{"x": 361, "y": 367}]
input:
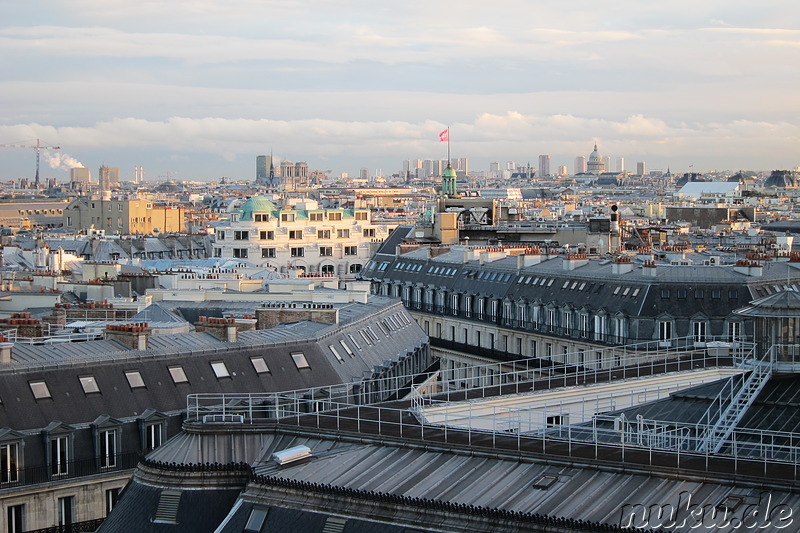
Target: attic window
[
  {"x": 259, "y": 365},
  {"x": 167, "y": 510},
  {"x": 300, "y": 361},
  {"x": 346, "y": 348},
  {"x": 89, "y": 384},
  {"x": 134, "y": 379},
  {"x": 353, "y": 340},
  {"x": 256, "y": 520},
  {"x": 40, "y": 390},
  {"x": 178, "y": 375},
  {"x": 220, "y": 370},
  {"x": 336, "y": 354}
]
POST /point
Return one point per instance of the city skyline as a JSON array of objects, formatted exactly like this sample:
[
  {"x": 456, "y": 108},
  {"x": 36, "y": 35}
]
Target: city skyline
[{"x": 195, "y": 90}]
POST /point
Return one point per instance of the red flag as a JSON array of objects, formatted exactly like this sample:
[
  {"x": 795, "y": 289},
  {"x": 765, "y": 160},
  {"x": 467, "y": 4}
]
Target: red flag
[{"x": 445, "y": 135}]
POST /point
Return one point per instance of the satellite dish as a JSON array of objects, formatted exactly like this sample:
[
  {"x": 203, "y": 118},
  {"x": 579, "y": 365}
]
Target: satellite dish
[{"x": 671, "y": 242}]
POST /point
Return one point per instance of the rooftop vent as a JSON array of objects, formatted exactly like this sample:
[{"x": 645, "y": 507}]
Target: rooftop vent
[
  {"x": 291, "y": 455},
  {"x": 167, "y": 510}
]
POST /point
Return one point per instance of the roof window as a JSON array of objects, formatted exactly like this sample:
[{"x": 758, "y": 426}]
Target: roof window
[
  {"x": 89, "y": 384},
  {"x": 220, "y": 370},
  {"x": 335, "y": 353},
  {"x": 260, "y": 365},
  {"x": 134, "y": 378},
  {"x": 39, "y": 390},
  {"x": 300, "y": 360},
  {"x": 177, "y": 374}
]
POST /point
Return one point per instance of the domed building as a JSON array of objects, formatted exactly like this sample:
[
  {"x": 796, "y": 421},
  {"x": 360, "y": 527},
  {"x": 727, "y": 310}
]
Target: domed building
[
  {"x": 782, "y": 179},
  {"x": 596, "y": 164}
]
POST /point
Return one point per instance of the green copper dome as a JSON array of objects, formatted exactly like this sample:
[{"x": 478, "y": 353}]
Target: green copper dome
[{"x": 256, "y": 204}]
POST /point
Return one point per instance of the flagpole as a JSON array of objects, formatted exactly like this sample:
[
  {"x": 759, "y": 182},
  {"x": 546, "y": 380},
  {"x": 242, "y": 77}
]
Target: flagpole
[{"x": 448, "y": 146}]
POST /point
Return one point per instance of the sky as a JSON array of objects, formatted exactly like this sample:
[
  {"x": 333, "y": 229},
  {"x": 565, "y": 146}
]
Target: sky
[{"x": 196, "y": 89}]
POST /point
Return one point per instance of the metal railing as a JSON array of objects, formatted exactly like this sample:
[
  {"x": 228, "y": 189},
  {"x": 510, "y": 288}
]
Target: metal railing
[
  {"x": 474, "y": 381},
  {"x": 605, "y": 439},
  {"x": 55, "y": 337}
]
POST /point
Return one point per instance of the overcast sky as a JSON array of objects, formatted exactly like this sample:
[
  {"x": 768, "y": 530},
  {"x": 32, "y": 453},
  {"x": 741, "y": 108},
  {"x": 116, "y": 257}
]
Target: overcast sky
[{"x": 198, "y": 88}]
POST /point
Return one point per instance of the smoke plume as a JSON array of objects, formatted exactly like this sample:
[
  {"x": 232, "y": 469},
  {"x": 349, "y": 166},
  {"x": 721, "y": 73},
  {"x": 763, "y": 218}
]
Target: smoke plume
[{"x": 62, "y": 161}]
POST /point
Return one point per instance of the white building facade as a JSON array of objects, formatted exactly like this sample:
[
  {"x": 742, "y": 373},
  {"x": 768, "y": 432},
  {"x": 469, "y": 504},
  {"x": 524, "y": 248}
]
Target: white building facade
[{"x": 336, "y": 242}]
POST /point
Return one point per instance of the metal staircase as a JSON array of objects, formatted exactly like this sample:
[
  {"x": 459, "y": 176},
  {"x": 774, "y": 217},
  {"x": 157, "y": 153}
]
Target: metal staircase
[{"x": 730, "y": 416}]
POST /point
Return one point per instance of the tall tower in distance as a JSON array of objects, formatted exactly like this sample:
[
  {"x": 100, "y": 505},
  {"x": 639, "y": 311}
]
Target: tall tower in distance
[
  {"x": 544, "y": 166},
  {"x": 262, "y": 169},
  {"x": 641, "y": 168},
  {"x": 620, "y": 164},
  {"x": 108, "y": 177},
  {"x": 580, "y": 164}
]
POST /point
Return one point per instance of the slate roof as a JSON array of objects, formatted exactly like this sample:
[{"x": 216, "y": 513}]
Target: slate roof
[
  {"x": 60, "y": 366},
  {"x": 196, "y": 510},
  {"x": 374, "y": 473}
]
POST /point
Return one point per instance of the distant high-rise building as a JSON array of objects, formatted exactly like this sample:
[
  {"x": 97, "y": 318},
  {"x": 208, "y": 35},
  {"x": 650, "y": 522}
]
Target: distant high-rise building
[
  {"x": 363, "y": 174},
  {"x": 562, "y": 170},
  {"x": 108, "y": 177},
  {"x": 580, "y": 164},
  {"x": 460, "y": 164},
  {"x": 262, "y": 169},
  {"x": 641, "y": 168},
  {"x": 80, "y": 175},
  {"x": 544, "y": 166},
  {"x": 620, "y": 164},
  {"x": 607, "y": 163}
]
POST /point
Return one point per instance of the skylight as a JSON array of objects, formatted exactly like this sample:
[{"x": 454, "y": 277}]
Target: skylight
[
  {"x": 134, "y": 379},
  {"x": 178, "y": 375},
  {"x": 40, "y": 390},
  {"x": 300, "y": 361},
  {"x": 89, "y": 384},
  {"x": 220, "y": 370},
  {"x": 260, "y": 365}
]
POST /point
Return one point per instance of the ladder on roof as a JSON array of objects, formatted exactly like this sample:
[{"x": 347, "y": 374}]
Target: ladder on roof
[{"x": 715, "y": 437}]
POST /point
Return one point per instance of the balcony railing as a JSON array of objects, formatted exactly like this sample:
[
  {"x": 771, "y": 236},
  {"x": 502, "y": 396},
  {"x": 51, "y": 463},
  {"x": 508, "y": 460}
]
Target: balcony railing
[
  {"x": 540, "y": 327},
  {"x": 32, "y": 475},
  {"x": 87, "y": 526}
]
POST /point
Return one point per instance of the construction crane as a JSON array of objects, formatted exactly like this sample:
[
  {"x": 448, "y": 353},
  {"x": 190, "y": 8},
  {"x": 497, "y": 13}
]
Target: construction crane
[{"x": 38, "y": 146}]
